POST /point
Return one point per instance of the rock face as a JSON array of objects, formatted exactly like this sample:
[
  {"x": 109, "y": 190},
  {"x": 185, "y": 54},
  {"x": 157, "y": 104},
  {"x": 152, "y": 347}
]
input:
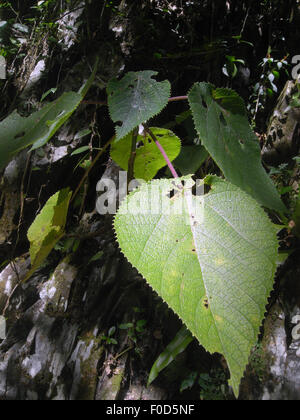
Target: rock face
[
  {"x": 282, "y": 342},
  {"x": 274, "y": 370},
  {"x": 55, "y": 348},
  {"x": 283, "y": 136}
]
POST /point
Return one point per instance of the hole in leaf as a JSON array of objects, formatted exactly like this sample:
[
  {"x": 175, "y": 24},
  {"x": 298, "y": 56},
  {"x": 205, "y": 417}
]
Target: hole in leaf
[
  {"x": 205, "y": 303},
  {"x": 171, "y": 194}
]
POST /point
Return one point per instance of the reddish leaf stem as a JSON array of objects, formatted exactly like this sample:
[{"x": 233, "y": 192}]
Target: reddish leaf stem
[{"x": 162, "y": 150}]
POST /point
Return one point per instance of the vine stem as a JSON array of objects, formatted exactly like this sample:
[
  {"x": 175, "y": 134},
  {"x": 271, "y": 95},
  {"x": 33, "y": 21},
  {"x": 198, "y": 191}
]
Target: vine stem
[{"x": 162, "y": 151}]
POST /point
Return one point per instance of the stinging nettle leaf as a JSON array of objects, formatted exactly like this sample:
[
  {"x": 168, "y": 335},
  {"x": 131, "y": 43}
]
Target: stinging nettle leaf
[
  {"x": 221, "y": 122},
  {"x": 215, "y": 270},
  {"x": 148, "y": 159},
  {"x": 135, "y": 99}
]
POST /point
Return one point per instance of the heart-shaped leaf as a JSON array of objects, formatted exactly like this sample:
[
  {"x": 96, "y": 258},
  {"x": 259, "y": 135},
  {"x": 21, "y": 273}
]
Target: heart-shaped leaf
[
  {"x": 135, "y": 99},
  {"x": 212, "y": 258}
]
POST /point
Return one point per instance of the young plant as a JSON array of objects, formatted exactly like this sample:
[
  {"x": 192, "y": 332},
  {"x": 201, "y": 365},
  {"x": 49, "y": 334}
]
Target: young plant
[{"x": 211, "y": 257}]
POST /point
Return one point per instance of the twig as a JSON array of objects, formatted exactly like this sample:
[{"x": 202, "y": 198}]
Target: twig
[
  {"x": 124, "y": 352},
  {"x": 178, "y": 98}
]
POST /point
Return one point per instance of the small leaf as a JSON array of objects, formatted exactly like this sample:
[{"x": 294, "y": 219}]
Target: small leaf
[
  {"x": 148, "y": 159},
  {"x": 80, "y": 150},
  {"x": 96, "y": 257},
  {"x": 82, "y": 134},
  {"x": 135, "y": 99},
  {"x": 48, "y": 228},
  {"x": 189, "y": 382},
  {"x": 182, "y": 339},
  {"x": 111, "y": 331},
  {"x": 44, "y": 96},
  {"x": 126, "y": 326}
]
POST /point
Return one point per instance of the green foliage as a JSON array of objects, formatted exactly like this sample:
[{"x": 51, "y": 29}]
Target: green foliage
[
  {"x": 188, "y": 382},
  {"x": 221, "y": 121},
  {"x": 182, "y": 339},
  {"x": 272, "y": 71},
  {"x": 148, "y": 159},
  {"x": 212, "y": 386},
  {"x": 135, "y": 99},
  {"x": 190, "y": 159},
  {"x": 109, "y": 338},
  {"x": 48, "y": 228},
  {"x": 230, "y": 68},
  {"x": 213, "y": 264},
  {"x": 37, "y": 129},
  {"x": 18, "y": 132}
]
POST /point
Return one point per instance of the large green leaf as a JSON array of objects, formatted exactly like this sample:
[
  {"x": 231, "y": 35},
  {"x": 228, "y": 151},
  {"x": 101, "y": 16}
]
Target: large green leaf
[
  {"x": 213, "y": 263},
  {"x": 136, "y": 98},
  {"x": 148, "y": 159},
  {"x": 17, "y": 133},
  {"x": 48, "y": 228},
  {"x": 221, "y": 121}
]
